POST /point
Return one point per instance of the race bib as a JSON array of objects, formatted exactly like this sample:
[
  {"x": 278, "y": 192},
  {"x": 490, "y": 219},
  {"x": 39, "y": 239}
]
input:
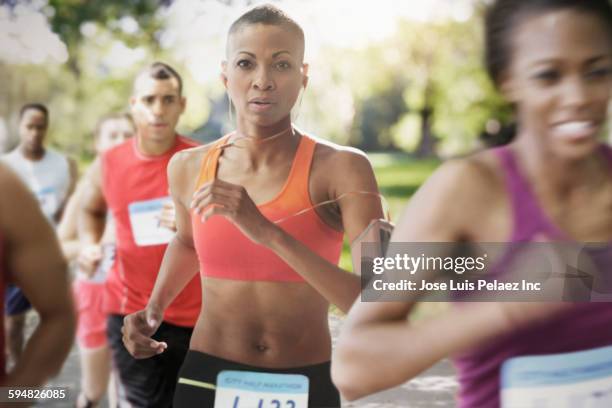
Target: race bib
[
  {"x": 144, "y": 219},
  {"x": 245, "y": 389},
  {"x": 581, "y": 379},
  {"x": 47, "y": 198}
]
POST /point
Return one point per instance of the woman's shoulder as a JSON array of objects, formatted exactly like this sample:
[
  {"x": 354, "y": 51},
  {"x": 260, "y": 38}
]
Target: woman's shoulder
[
  {"x": 463, "y": 185},
  {"x": 335, "y": 157},
  {"x": 186, "y": 165},
  {"x": 477, "y": 171},
  {"x": 190, "y": 158}
]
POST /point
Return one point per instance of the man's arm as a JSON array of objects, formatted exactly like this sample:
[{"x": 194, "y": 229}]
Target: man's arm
[
  {"x": 67, "y": 229},
  {"x": 38, "y": 268},
  {"x": 73, "y": 174},
  {"x": 92, "y": 218},
  {"x": 92, "y": 215}
]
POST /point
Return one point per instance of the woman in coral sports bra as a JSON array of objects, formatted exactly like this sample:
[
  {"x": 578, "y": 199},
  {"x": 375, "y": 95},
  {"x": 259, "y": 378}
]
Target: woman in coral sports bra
[{"x": 245, "y": 221}]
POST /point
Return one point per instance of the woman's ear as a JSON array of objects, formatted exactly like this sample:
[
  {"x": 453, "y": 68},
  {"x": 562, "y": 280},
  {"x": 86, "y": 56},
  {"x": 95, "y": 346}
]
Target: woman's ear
[
  {"x": 223, "y": 74},
  {"x": 508, "y": 88}
]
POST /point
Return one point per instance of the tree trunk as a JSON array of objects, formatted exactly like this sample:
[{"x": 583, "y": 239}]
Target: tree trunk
[{"x": 427, "y": 144}]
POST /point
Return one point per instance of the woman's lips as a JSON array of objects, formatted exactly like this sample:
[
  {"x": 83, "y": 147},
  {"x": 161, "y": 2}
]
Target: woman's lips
[
  {"x": 576, "y": 130},
  {"x": 260, "y": 106}
]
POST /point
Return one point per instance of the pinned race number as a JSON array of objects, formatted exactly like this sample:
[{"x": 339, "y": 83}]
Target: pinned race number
[
  {"x": 245, "y": 389},
  {"x": 579, "y": 379},
  {"x": 144, "y": 219},
  {"x": 48, "y": 200}
]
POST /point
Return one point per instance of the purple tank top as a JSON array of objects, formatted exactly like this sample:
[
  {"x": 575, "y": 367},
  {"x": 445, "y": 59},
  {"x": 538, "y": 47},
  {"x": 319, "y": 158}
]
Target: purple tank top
[{"x": 585, "y": 326}]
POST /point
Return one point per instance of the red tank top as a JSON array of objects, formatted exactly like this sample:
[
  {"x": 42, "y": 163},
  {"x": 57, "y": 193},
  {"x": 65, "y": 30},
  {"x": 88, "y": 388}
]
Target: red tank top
[
  {"x": 130, "y": 178},
  {"x": 224, "y": 252}
]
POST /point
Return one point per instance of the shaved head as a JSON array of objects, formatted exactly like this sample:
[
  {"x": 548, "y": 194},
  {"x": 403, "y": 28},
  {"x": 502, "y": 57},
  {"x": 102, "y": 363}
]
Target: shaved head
[{"x": 266, "y": 14}]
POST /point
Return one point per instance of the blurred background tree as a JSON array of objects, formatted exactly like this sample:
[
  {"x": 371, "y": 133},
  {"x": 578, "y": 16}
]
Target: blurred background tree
[{"x": 385, "y": 76}]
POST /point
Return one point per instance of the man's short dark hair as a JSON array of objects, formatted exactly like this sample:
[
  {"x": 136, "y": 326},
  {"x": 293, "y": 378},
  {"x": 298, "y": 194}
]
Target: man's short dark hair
[
  {"x": 36, "y": 106},
  {"x": 161, "y": 70}
]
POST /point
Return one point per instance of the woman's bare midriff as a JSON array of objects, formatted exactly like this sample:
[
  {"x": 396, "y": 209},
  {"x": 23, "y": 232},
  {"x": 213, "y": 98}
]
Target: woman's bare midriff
[{"x": 265, "y": 324}]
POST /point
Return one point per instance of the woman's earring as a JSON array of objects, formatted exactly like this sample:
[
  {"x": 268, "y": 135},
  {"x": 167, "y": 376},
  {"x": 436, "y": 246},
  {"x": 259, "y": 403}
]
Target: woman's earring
[
  {"x": 229, "y": 108},
  {"x": 296, "y": 113}
]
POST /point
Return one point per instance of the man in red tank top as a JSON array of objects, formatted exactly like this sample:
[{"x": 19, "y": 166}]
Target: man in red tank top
[
  {"x": 130, "y": 181},
  {"x": 29, "y": 249}
]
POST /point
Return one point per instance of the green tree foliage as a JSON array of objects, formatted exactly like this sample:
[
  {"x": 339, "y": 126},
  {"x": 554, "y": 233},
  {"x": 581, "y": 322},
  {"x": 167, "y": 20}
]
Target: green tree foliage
[
  {"x": 70, "y": 15},
  {"x": 421, "y": 90},
  {"x": 424, "y": 90}
]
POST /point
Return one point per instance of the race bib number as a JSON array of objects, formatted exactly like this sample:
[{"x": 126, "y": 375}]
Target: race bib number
[
  {"x": 47, "y": 198},
  {"x": 245, "y": 389},
  {"x": 581, "y": 379},
  {"x": 144, "y": 219}
]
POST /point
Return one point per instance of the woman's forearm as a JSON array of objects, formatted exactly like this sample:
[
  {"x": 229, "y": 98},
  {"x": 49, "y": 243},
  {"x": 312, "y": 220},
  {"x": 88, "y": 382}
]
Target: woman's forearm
[
  {"x": 409, "y": 348},
  {"x": 338, "y": 286},
  {"x": 179, "y": 266}
]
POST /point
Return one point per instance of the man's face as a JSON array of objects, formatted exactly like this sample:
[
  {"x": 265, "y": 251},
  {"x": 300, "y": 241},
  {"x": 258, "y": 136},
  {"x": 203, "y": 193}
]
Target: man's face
[
  {"x": 156, "y": 107},
  {"x": 112, "y": 133},
  {"x": 32, "y": 130}
]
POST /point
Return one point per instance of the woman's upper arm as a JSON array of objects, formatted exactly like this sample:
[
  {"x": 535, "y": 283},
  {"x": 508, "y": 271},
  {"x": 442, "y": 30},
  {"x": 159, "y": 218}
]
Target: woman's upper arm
[
  {"x": 436, "y": 213},
  {"x": 354, "y": 184},
  {"x": 180, "y": 183}
]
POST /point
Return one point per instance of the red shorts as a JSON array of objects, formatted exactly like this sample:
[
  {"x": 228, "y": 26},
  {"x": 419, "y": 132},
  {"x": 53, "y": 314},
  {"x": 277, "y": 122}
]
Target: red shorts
[{"x": 91, "y": 327}]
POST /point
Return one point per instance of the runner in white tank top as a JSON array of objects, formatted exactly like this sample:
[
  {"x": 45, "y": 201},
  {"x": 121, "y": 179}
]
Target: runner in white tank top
[{"x": 49, "y": 178}]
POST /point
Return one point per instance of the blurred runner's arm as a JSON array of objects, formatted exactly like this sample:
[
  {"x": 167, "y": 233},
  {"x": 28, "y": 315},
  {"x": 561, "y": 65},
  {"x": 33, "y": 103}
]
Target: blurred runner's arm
[
  {"x": 167, "y": 216},
  {"x": 92, "y": 218},
  {"x": 38, "y": 268},
  {"x": 74, "y": 175},
  {"x": 67, "y": 232}
]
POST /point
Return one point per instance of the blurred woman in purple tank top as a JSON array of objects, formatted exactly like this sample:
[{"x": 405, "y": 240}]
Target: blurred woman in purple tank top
[{"x": 552, "y": 60}]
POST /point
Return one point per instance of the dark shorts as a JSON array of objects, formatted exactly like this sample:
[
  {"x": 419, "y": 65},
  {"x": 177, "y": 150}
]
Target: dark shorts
[
  {"x": 204, "y": 368},
  {"x": 148, "y": 382},
  {"x": 15, "y": 302}
]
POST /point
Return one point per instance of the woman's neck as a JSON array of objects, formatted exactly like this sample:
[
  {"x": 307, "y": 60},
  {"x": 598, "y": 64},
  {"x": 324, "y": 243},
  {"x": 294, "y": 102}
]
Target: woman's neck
[
  {"x": 258, "y": 144},
  {"x": 560, "y": 175}
]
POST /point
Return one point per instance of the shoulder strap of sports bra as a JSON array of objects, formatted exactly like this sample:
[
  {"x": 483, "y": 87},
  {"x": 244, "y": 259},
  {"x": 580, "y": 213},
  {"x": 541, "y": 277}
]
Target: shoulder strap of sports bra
[
  {"x": 529, "y": 217},
  {"x": 208, "y": 168},
  {"x": 297, "y": 185},
  {"x": 607, "y": 152}
]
